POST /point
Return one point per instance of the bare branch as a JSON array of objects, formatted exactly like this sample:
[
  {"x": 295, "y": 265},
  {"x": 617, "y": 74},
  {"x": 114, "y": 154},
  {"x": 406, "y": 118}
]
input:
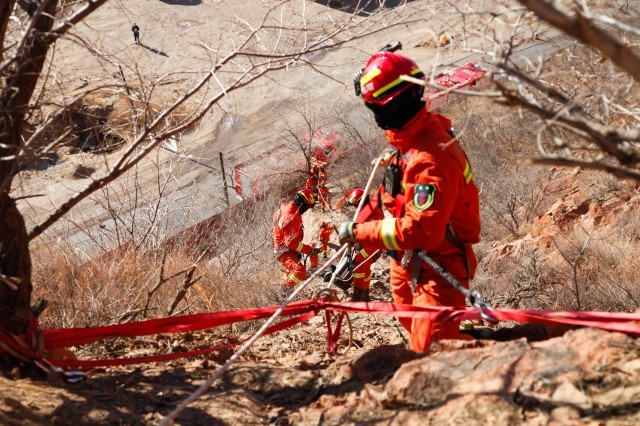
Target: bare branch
[{"x": 584, "y": 30}]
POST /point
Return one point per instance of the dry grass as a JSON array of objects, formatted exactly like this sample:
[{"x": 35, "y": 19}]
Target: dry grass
[
  {"x": 231, "y": 267},
  {"x": 584, "y": 270},
  {"x": 593, "y": 269}
]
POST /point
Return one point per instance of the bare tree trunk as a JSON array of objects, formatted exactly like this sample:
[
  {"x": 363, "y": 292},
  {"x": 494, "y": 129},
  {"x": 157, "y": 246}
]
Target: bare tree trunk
[
  {"x": 21, "y": 79},
  {"x": 6, "y": 7},
  {"x": 15, "y": 267}
]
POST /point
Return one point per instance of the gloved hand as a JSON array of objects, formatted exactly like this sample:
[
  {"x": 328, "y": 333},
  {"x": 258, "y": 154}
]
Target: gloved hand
[
  {"x": 314, "y": 251},
  {"x": 346, "y": 234}
]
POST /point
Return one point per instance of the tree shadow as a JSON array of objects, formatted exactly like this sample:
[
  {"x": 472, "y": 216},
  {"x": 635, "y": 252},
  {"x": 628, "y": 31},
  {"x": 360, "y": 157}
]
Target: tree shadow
[
  {"x": 183, "y": 2},
  {"x": 154, "y": 50},
  {"x": 362, "y": 7},
  {"x": 128, "y": 398}
]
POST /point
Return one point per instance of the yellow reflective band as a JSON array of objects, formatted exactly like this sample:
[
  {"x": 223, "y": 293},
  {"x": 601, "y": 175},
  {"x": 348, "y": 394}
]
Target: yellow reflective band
[
  {"x": 294, "y": 279},
  {"x": 367, "y": 279},
  {"x": 387, "y": 87},
  {"x": 468, "y": 175},
  {"x": 394, "y": 83},
  {"x": 369, "y": 76},
  {"x": 300, "y": 246},
  {"x": 364, "y": 253},
  {"x": 358, "y": 275},
  {"x": 388, "y": 233}
]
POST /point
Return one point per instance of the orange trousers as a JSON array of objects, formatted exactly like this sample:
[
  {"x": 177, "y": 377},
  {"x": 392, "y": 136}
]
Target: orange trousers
[
  {"x": 295, "y": 270},
  {"x": 313, "y": 262},
  {"x": 431, "y": 290},
  {"x": 362, "y": 272}
]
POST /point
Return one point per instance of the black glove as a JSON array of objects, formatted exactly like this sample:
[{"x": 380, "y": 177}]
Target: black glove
[
  {"x": 345, "y": 233},
  {"x": 314, "y": 251}
]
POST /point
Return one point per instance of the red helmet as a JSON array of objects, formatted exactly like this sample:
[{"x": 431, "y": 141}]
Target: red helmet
[
  {"x": 354, "y": 196},
  {"x": 304, "y": 196},
  {"x": 380, "y": 81}
]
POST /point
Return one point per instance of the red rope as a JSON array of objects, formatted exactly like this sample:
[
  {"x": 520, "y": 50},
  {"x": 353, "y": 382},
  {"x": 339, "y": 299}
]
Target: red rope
[{"x": 26, "y": 346}]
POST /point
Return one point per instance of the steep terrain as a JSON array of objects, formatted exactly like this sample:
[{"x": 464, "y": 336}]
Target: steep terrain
[{"x": 529, "y": 374}]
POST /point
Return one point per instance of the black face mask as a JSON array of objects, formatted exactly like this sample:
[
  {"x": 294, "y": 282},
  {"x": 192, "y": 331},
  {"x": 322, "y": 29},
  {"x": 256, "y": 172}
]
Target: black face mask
[
  {"x": 399, "y": 111},
  {"x": 303, "y": 207}
]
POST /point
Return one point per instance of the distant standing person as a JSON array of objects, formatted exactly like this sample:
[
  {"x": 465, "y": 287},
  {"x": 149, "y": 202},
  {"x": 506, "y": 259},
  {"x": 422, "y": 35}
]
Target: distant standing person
[{"x": 136, "y": 33}]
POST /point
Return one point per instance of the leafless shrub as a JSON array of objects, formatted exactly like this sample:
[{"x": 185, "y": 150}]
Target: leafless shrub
[
  {"x": 600, "y": 271},
  {"x": 527, "y": 286},
  {"x": 498, "y": 147},
  {"x": 582, "y": 271}
]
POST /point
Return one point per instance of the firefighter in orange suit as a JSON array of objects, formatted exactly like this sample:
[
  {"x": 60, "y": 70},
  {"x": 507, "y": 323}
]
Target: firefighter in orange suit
[
  {"x": 288, "y": 233},
  {"x": 429, "y": 191},
  {"x": 312, "y": 182},
  {"x": 323, "y": 195},
  {"x": 325, "y": 231},
  {"x": 364, "y": 256}
]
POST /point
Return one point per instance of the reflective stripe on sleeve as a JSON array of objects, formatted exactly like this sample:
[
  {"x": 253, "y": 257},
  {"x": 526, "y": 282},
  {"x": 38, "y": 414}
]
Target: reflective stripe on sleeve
[
  {"x": 468, "y": 175},
  {"x": 356, "y": 275},
  {"x": 300, "y": 246},
  {"x": 388, "y": 233},
  {"x": 364, "y": 253}
]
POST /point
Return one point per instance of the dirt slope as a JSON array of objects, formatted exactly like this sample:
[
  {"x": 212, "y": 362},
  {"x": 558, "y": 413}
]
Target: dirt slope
[{"x": 585, "y": 376}]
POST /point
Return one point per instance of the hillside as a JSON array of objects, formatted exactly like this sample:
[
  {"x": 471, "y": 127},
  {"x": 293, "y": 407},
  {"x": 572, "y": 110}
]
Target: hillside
[{"x": 171, "y": 238}]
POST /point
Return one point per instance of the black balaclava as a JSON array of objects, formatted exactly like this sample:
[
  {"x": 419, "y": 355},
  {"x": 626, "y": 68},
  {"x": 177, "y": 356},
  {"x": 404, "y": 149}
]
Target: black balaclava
[
  {"x": 301, "y": 203},
  {"x": 398, "y": 112},
  {"x": 303, "y": 207}
]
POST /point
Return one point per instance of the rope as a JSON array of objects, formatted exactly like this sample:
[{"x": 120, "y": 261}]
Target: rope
[
  {"x": 331, "y": 294},
  {"x": 474, "y": 296},
  {"x": 195, "y": 395},
  {"x": 341, "y": 252}
]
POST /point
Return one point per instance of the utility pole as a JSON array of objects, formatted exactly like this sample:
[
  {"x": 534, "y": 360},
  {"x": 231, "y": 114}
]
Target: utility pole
[{"x": 224, "y": 180}]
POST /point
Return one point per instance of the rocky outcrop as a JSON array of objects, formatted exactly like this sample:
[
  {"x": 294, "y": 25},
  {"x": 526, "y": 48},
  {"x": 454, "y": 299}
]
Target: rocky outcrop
[{"x": 579, "y": 206}]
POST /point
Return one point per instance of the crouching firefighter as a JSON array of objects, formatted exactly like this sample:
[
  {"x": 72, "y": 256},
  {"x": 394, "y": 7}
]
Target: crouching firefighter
[
  {"x": 430, "y": 193},
  {"x": 288, "y": 233},
  {"x": 363, "y": 257}
]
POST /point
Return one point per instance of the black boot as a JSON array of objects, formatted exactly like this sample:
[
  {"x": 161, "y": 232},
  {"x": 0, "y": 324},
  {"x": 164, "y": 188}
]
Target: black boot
[
  {"x": 360, "y": 295},
  {"x": 343, "y": 285}
]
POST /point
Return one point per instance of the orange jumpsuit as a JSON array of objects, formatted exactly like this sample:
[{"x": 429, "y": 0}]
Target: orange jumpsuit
[
  {"x": 324, "y": 235},
  {"x": 437, "y": 192},
  {"x": 288, "y": 233},
  {"x": 311, "y": 183},
  {"x": 364, "y": 258},
  {"x": 323, "y": 194}
]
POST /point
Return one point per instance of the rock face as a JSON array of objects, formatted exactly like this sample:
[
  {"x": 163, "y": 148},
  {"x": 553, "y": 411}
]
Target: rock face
[
  {"x": 577, "y": 206},
  {"x": 515, "y": 382}
]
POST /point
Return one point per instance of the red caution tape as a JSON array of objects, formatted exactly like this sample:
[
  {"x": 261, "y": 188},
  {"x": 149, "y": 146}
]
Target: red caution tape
[
  {"x": 65, "y": 337},
  {"x": 86, "y": 364},
  {"x": 303, "y": 311},
  {"x": 628, "y": 323}
]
